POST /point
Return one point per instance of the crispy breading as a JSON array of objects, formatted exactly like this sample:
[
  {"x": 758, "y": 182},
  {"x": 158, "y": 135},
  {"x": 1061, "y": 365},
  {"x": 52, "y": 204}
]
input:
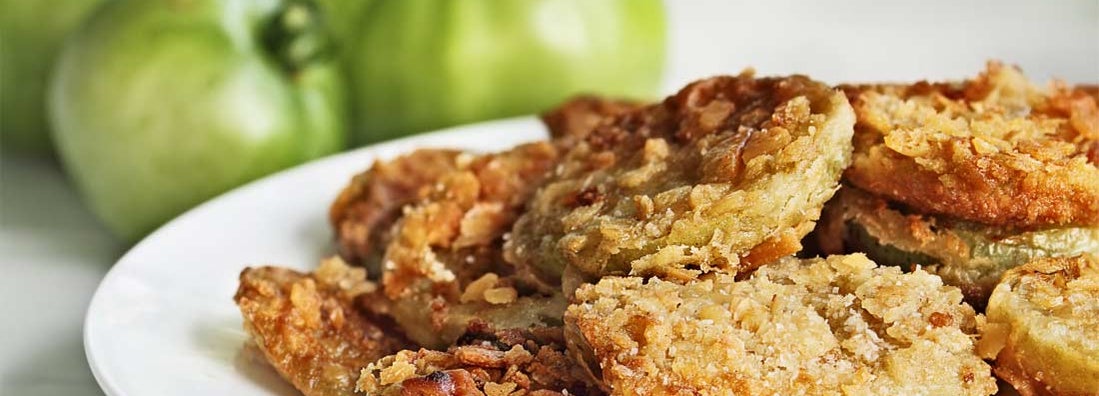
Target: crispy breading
[
  {"x": 839, "y": 325},
  {"x": 363, "y": 213},
  {"x": 456, "y": 211},
  {"x": 506, "y": 363},
  {"x": 727, "y": 174},
  {"x": 1043, "y": 323},
  {"x": 444, "y": 266},
  {"x": 572, "y": 121},
  {"x": 967, "y": 255},
  {"x": 308, "y": 326},
  {"x": 366, "y": 209},
  {"x": 1090, "y": 89},
  {"x": 995, "y": 150}
]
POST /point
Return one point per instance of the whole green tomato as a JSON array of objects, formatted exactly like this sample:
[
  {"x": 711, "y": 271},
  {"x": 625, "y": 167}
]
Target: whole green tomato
[
  {"x": 160, "y": 104},
  {"x": 31, "y": 34},
  {"x": 417, "y": 65}
]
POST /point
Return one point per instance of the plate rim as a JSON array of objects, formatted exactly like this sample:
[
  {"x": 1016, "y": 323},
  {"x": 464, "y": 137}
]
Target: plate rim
[{"x": 106, "y": 380}]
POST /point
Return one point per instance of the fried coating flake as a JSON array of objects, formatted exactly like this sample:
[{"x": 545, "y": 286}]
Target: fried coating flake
[
  {"x": 1043, "y": 323},
  {"x": 574, "y": 120},
  {"x": 363, "y": 213},
  {"x": 839, "y": 325},
  {"x": 308, "y": 326},
  {"x": 444, "y": 266},
  {"x": 506, "y": 363},
  {"x": 727, "y": 174},
  {"x": 995, "y": 150},
  {"x": 966, "y": 255}
]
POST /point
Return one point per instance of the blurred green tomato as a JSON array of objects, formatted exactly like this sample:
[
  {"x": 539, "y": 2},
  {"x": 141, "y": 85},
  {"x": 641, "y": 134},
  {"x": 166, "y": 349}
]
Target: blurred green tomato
[
  {"x": 342, "y": 16},
  {"x": 417, "y": 65},
  {"x": 160, "y": 104},
  {"x": 31, "y": 33}
]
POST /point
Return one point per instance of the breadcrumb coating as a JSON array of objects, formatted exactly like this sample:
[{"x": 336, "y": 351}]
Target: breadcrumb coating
[
  {"x": 572, "y": 121},
  {"x": 363, "y": 213},
  {"x": 727, "y": 174},
  {"x": 839, "y": 325},
  {"x": 701, "y": 199},
  {"x": 506, "y": 363},
  {"x": 444, "y": 265},
  {"x": 309, "y": 328},
  {"x": 995, "y": 150},
  {"x": 366, "y": 209},
  {"x": 1043, "y": 327}
]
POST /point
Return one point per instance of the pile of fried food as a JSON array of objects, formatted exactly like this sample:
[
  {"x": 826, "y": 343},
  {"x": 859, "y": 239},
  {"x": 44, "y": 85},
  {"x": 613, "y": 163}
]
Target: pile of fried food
[{"x": 744, "y": 236}]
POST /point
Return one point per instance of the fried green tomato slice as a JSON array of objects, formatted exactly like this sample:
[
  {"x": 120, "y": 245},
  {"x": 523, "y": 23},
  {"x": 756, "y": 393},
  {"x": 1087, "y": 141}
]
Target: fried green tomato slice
[
  {"x": 309, "y": 326},
  {"x": 444, "y": 265},
  {"x": 727, "y": 174},
  {"x": 502, "y": 363},
  {"x": 995, "y": 150},
  {"x": 967, "y": 255},
  {"x": 840, "y": 325},
  {"x": 1043, "y": 323}
]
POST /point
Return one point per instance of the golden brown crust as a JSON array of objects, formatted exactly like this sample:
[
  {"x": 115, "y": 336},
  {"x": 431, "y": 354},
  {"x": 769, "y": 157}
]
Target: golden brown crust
[
  {"x": 308, "y": 328},
  {"x": 835, "y": 326},
  {"x": 363, "y": 213},
  {"x": 692, "y": 184},
  {"x": 444, "y": 265},
  {"x": 366, "y": 209},
  {"x": 1090, "y": 89},
  {"x": 506, "y": 363},
  {"x": 995, "y": 150},
  {"x": 1043, "y": 320},
  {"x": 574, "y": 120}
]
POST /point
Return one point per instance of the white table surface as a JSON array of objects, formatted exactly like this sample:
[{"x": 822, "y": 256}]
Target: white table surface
[{"x": 53, "y": 252}]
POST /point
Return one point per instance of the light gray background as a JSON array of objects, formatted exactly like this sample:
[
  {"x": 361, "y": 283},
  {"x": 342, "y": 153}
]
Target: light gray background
[{"x": 53, "y": 252}]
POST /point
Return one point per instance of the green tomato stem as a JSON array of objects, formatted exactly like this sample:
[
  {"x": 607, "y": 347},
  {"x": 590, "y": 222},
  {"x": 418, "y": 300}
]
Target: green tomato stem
[{"x": 295, "y": 35}]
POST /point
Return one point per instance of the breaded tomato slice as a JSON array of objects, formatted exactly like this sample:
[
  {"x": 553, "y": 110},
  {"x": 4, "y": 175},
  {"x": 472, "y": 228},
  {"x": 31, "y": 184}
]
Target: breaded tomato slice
[
  {"x": 1043, "y": 327},
  {"x": 996, "y": 150},
  {"x": 968, "y": 255},
  {"x": 840, "y": 325},
  {"x": 727, "y": 174}
]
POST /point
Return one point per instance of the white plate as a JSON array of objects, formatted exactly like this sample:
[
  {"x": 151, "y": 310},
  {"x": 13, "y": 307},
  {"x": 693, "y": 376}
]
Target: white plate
[{"x": 163, "y": 320}]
